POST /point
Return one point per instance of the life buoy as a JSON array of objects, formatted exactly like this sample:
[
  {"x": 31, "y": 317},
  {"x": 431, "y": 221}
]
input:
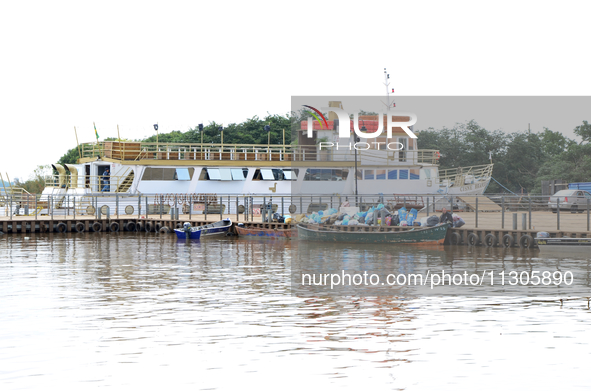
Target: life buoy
[
  {"x": 490, "y": 240},
  {"x": 473, "y": 239},
  {"x": 437, "y": 155},
  {"x": 507, "y": 240}
]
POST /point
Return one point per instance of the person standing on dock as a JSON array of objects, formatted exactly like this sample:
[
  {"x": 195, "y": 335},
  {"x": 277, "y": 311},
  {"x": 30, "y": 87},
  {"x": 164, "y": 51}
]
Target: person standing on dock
[
  {"x": 446, "y": 217},
  {"x": 106, "y": 180}
]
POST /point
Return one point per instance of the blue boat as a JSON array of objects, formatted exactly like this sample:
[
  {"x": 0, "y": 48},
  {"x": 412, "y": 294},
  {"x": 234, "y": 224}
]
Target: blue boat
[{"x": 188, "y": 232}]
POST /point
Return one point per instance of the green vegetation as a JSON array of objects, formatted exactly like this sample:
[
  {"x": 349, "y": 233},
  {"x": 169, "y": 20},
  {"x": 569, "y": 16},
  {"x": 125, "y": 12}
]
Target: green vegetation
[
  {"x": 522, "y": 159},
  {"x": 36, "y": 182}
]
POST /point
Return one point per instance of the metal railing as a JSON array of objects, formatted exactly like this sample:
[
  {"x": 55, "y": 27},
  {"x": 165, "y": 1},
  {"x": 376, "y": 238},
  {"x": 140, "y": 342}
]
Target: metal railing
[
  {"x": 526, "y": 212},
  {"x": 135, "y": 151},
  {"x": 98, "y": 183}
]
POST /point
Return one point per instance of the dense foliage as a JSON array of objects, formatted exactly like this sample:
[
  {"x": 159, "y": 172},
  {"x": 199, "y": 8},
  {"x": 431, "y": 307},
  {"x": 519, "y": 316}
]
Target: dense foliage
[{"x": 522, "y": 159}]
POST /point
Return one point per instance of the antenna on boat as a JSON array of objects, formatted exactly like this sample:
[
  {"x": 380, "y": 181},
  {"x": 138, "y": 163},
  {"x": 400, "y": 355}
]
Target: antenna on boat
[{"x": 387, "y": 84}]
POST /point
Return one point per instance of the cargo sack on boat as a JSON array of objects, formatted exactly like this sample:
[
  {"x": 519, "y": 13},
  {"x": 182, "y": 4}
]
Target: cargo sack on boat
[
  {"x": 432, "y": 221},
  {"x": 395, "y": 220},
  {"x": 402, "y": 214},
  {"x": 457, "y": 221},
  {"x": 361, "y": 220},
  {"x": 353, "y": 222},
  {"x": 388, "y": 220}
]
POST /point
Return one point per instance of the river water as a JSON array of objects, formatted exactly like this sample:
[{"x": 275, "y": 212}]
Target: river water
[{"x": 86, "y": 311}]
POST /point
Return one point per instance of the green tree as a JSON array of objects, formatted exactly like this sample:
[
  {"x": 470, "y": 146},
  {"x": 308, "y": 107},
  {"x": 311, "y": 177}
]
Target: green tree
[
  {"x": 36, "y": 182},
  {"x": 554, "y": 143},
  {"x": 584, "y": 131},
  {"x": 70, "y": 157}
]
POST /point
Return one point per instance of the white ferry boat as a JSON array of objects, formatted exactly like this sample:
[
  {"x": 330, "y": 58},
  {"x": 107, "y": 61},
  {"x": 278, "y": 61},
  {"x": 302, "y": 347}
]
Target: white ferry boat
[{"x": 202, "y": 174}]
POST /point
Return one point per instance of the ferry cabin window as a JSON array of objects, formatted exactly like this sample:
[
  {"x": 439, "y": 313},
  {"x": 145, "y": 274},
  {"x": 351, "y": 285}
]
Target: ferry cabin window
[
  {"x": 414, "y": 173},
  {"x": 392, "y": 174},
  {"x": 223, "y": 174},
  {"x": 167, "y": 174},
  {"x": 369, "y": 174},
  {"x": 380, "y": 174},
  {"x": 317, "y": 174},
  {"x": 238, "y": 174},
  {"x": 214, "y": 174},
  {"x": 403, "y": 174},
  {"x": 267, "y": 174},
  {"x": 274, "y": 174},
  {"x": 293, "y": 174},
  {"x": 182, "y": 174}
]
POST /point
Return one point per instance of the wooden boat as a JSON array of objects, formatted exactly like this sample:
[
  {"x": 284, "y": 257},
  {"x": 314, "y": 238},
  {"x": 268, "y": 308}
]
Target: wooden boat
[
  {"x": 286, "y": 233},
  {"x": 372, "y": 234},
  {"x": 219, "y": 227},
  {"x": 564, "y": 246}
]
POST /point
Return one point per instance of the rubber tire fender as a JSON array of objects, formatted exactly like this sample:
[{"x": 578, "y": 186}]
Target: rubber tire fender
[
  {"x": 526, "y": 241},
  {"x": 61, "y": 228},
  {"x": 490, "y": 240},
  {"x": 130, "y": 226},
  {"x": 473, "y": 239},
  {"x": 97, "y": 227},
  {"x": 507, "y": 241},
  {"x": 149, "y": 226},
  {"x": 455, "y": 238},
  {"x": 114, "y": 226},
  {"x": 164, "y": 230},
  {"x": 79, "y": 227}
]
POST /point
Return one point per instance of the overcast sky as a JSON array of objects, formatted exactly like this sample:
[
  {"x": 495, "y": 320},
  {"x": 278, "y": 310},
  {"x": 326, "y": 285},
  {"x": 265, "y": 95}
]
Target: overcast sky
[{"x": 68, "y": 64}]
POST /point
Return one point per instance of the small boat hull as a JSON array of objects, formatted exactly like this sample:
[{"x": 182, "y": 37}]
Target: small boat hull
[
  {"x": 565, "y": 246},
  {"x": 217, "y": 228},
  {"x": 372, "y": 235},
  {"x": 266, "y": 232},
  {"x": 181, "y": 234}
]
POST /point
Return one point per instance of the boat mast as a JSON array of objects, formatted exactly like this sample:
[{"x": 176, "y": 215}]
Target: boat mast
[{"x": 387, "y": 84}]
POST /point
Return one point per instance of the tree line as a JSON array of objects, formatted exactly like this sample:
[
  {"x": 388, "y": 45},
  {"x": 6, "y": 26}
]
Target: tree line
[{"x": 522, "y": 159}]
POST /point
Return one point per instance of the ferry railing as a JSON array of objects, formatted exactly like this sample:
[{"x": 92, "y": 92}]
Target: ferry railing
[
  {"x": 131, "y": 151},
  {"x": 505, "y": 211},
  {"x": 97, "y": 183}
]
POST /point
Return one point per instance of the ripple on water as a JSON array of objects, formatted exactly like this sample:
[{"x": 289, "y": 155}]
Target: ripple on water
[{"x": 144, "y": 310}]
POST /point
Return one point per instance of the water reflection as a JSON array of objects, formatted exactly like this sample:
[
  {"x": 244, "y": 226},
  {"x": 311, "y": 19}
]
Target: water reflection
[{"x": 148, "y": 310}]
